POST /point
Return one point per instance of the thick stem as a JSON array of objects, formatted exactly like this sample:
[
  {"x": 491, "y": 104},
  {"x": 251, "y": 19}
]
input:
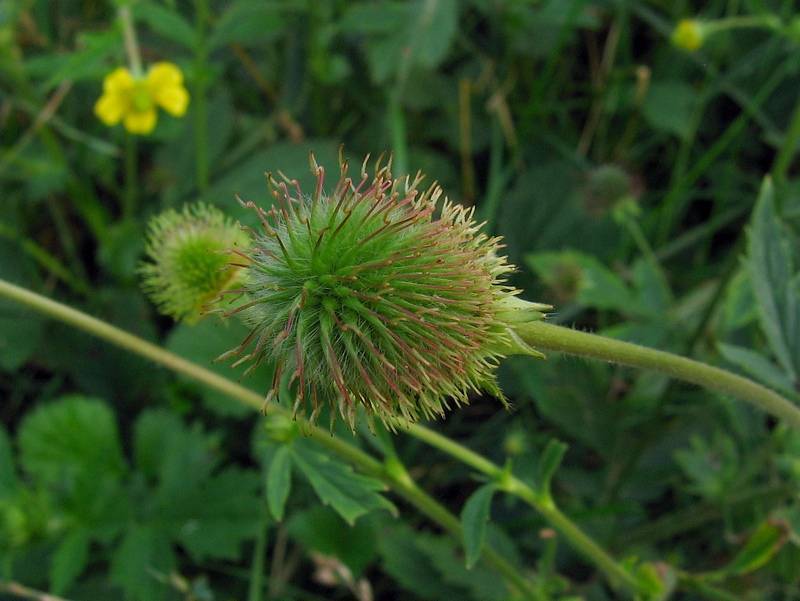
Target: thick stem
[
  {"x": 544, "y": 336},
  {"x": 405, "y": 487}
]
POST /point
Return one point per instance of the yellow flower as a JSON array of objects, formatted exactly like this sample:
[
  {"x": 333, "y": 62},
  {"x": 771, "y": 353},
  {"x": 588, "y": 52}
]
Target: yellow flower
[
  {"x": 689, "y": 34},
  {"x": 134, "y": 100}
]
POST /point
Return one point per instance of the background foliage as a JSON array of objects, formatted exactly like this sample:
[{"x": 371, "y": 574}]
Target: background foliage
[{"x": 621, "y": 171}]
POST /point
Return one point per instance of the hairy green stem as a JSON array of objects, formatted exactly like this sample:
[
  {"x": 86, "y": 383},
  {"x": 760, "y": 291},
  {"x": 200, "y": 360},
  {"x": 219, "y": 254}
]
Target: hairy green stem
[
  {"x": 544, "y": 336},
  {"x": 400, "y": 483}
]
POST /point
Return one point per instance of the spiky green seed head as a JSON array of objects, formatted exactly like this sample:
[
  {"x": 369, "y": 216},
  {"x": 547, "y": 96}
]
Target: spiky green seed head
[
  {"x": 378, "y": 295},
  {"x": 189, "y": 259}
]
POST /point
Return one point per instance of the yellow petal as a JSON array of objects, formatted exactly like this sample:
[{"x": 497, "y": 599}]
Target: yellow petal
[
  {"x": 109, "y": 108},
  {"x": 140, "y": 122},
  {"x": 174, "y": 100},
  {"x": 165, "y": 82},
  {"x": 119, "y": 81},
  {"x": 163, "y": 75}
]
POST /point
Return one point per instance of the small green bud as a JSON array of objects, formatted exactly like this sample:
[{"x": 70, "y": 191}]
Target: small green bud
[
  {"x": 189, "y": 259},
  {"x": 689, "y": 34},
  {"x": 606, "y": 186},
  {"x": 378, "y": 294},
  {"x": 281, "y": 428},
  {"x": 515, "y": 442}
]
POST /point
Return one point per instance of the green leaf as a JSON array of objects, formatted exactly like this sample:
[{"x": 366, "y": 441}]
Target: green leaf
[
  {"x": 136, "y": 565},
  {"x": 762, "y": 546},
  {"x": 351, "y": 495},
  {"x": 474, "y": 518},
  {"x": 321, "y": 529},
  {"x": 69, "y": 561},
  {"x": 204, "y": 342},
  {"x": 548, "y": 464},
  {"x": 167, "y": 23},
  {"x": 481, "y": 582},
  {"x": 152, "y": 433},
  {"x": 279, "y": 481},
  {"x": 248, "y": 22},
  {"x": 758, "y": 366},
  {"x": 87, "y": 62},
  {"x": 403, "y": 559},
  {"x": 8, "y": 474},
  {"x": 592, "y": 284},
  {"x": 770, "y": 264},
  {"x": 670, "y": 106},
  {"x": 403, "y": 33},
  {"x": 74, "y": 436},
  {"x": 212, "y": 520},
  {"x": 432, "y": 31}
]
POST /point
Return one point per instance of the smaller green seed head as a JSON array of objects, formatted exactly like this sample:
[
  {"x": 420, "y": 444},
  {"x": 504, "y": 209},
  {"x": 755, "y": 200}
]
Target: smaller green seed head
[{"x": 189, "y": 259}]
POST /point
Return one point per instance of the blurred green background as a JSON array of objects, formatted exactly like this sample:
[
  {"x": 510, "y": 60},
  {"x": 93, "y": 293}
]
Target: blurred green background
[{"x": 621, "y": 170}]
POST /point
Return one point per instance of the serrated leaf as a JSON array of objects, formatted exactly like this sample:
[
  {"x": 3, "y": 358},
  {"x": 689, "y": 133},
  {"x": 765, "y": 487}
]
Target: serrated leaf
[
  {"x": 548, "y": 464},
  {"x": 770, "y": 265},
  {"x": 144, "y": 555},
  {"x": 212, "y": 520},
  {"x": 404, "y": 561},
  {"x": 248, "y": 22},
  {"x": 69, "y": 561},
  {"x": 279, "y": 482},
  {"x": 151, "y": 435},
  {"x": 480, "y": 582},
  {"x": 167, "y": 23},
  {"x": 74, "y": 436},
  {"x": 474, "y": 519},
  {"x": 350, "y": 494},
  {"x": 762, "y": 546},
  {"x": 757, "y": 366}
]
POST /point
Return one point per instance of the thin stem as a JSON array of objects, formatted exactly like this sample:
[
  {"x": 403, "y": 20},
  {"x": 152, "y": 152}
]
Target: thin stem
[
  {"x": 545, "y": 336},
  {"x": 131, "y": 177},
  {"x": 19, "y": 590},
  {"x": 255, "y": 591},
  {"x": 199, "y": 99},
  {"x": 403, "y": 486},
  {"x": 788, "y": 148},
  {"x": 131, "y": 43},
  {"x": 397, "y": 126},
  {"x": 542, "y": 503}
]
